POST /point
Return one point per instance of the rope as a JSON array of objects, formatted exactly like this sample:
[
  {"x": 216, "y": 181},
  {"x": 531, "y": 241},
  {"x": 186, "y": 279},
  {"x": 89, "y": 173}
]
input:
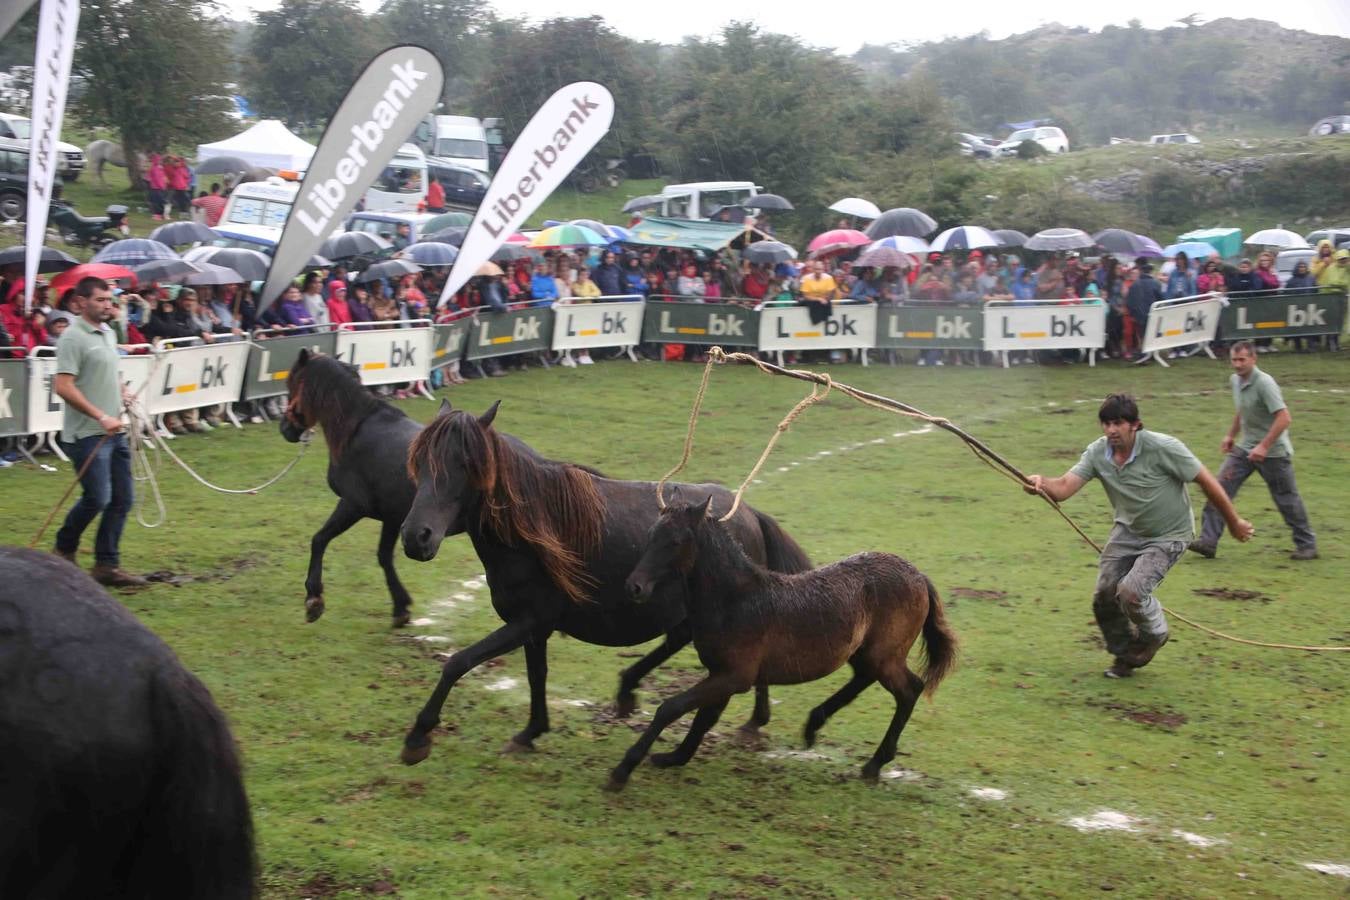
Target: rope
[
  {"x": 84, "y": 467},
  {"x": 982, "y": 452},
  {"x": 811, "y": 399}
]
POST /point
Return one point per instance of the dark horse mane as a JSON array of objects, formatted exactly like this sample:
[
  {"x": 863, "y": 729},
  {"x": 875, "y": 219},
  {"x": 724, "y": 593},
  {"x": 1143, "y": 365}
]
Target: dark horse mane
[
  {"x": 331, "y": 392},
  {"x": 553, "y": 507}
]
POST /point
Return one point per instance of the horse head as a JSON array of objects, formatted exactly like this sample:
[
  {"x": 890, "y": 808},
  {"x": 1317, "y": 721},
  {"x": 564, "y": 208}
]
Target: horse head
[
  {"x": 451, "y": 460},
  {"x": 307, "y": 383},
  {"x": 671, "y": 548}
]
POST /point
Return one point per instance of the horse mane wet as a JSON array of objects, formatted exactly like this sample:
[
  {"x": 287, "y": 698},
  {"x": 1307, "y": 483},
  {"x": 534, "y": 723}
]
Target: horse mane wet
[
  {"x": 553, "y": 507},
  {"x": 336, "y": 399}
]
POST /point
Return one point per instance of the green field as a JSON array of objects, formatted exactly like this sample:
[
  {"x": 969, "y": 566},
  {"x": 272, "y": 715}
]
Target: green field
[{"x": 1227, "y": 764}]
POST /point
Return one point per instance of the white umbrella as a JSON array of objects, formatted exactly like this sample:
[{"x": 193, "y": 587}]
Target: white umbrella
[
  {"x": 964, "y": 237},
  {"x": 857, "y": 206},
  {"x": 902, "y": 242},
  {"x": 1277, "y": 237},
  {"x": 1059, "y": 239}
]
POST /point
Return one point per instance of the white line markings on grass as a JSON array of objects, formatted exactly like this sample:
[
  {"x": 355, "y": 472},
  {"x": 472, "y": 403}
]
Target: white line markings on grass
[
  {"x": 908, "y": 776},
  {"x": 1197, "y": 840},
  {"x": 987, "y": 793},
  {"x": 1329, "y": 868}
]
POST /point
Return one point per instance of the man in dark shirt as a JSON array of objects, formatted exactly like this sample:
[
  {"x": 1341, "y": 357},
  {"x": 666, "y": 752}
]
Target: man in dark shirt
[
  {"x": 608, "y": 276},
  {"x": 1143, "y": 294}
]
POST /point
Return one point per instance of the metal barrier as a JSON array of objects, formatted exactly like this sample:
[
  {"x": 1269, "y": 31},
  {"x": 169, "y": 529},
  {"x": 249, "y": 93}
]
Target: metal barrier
[
  {"x": 1182, "y": 322},
  {"x": 1283, "y": 312},
  {"x": 1033, "y": 325},
  {"x": 385, "y": 355},
  {"x": 671, "y": 319},
  {"x": 273, "y": 355}
]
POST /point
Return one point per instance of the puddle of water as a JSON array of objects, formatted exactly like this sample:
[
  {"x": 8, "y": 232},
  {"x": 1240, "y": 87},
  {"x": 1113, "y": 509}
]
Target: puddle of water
[
  {"x": 422, "y": 623},
  {"x": 1196, "y": 840},
  {"x": 1329, "y": 868},
  {"x": 502, "y": 684},
  {"x": 988, "y": 794},
  {"x": 1105, "y": 820},
  {"x": 431, "y": 638},
  {"x": 808, "y": 755},
  {"x": 905, "y": 775}
]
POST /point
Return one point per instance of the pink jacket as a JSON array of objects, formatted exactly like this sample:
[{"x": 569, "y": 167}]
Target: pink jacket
[
  {"x": 180, "y": 177},
  {"x": 155, "y": 177}
]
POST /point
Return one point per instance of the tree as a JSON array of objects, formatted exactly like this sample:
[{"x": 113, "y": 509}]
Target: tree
[
  {"x": 305, "y": 55},
  {"x": 152, "y": 72},
  {"x": 452, "y": 29}
]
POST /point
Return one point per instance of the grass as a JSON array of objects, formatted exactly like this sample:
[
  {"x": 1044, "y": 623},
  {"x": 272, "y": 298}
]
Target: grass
[{"x": 1240, "y": 745}]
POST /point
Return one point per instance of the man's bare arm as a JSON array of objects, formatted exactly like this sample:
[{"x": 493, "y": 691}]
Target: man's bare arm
[
  {"x": 67, "y": 391},
  {"x": 1238, "y": 527},
  {"x": 1057, "y": 489}
]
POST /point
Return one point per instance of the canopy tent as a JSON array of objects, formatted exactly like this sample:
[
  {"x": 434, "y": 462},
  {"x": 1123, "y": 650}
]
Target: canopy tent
[
  {"x": 689, "y": 234},
  {"x": 268, "y": 145},
  {"x": 1228, "y": 241}
]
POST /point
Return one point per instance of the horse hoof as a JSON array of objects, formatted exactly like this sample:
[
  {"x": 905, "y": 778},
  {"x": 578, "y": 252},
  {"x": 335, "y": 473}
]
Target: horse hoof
[
  {"x": 748, "y": 736},
  {"x": 414, "y": 754},
  {"x": 667, "y": 760},
  {"x": 614, "y": 785},
  {"x": 399, "y": 620},
  {"x": 313, "y": 608},
  {"x": 625, "y": 706},
  {"x": 515, "y": 746},
  {"x": 871, "y": 773}
]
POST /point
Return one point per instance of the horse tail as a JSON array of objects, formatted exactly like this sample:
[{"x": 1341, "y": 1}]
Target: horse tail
[
  {"x": 939, "y": 642},
  {"x": 781, "y": 552},
  {"x": 198, "y": 831}
]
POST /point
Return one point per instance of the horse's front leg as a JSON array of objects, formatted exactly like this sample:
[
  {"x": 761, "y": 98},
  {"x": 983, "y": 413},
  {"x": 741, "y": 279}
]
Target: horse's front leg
[
  {"x": 385, "y": 554},
  {"x": 417, "y": 744},
  {"x": 712, "y": 691},
  {"x": 629, "y": 678},
  {"x": 536, "y": 665},
  {"x": 345, "y": 516}
]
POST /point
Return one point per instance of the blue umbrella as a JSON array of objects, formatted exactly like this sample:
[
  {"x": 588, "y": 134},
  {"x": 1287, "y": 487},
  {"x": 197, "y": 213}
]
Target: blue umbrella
[
  {"x": 133, "y": 252},
  {"x": 1192, "y": 249},
  {"x": 432, "y": 253}
]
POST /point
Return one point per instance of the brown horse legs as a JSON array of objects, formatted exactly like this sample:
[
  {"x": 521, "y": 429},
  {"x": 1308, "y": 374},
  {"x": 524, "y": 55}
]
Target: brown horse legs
[
  {"x": 417, "y": 744},
  {"x": 906, "y": 687},
  {"x": 704, "y": 719},
  {"x": 714, "y": 691},
  {"x": 838, "y": 700}
]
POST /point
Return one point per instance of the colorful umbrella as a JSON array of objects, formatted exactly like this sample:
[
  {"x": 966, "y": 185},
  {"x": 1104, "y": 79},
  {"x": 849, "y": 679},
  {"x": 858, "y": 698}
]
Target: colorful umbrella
[
  {"x": 107, "y": 271},
  {"x": 837, "y": 241},
  {"x": 560, "y": 236}
]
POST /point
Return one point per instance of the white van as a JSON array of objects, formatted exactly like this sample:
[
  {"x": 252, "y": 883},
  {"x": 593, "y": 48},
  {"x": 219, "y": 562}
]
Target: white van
[
  {"x": 69, "y": 158},
  {"x": 1050, "y": 137},
  {"x": 403, "y": 183},
  {"x": 698, "y": 199},
  {"x": 257, "y": 211},
  {"x": 457, "y": 141}
]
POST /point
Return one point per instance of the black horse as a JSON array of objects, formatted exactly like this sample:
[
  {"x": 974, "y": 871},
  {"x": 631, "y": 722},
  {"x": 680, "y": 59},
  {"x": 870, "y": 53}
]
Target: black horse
[
  {"x": 368, "y": 442},
  {"x": 118, "y": 774},
  {"x": 557, "y": 541}
]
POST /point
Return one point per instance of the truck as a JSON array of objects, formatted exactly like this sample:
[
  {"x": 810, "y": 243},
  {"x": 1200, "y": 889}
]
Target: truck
[{"x": 454, "y": 141}]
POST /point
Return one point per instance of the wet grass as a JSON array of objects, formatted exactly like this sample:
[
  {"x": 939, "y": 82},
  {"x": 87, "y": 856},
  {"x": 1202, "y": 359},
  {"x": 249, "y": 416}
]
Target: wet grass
[{"x": 1242, "y": 746}]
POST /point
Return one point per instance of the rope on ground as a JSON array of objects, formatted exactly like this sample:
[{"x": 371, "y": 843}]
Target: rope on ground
[{"x": 982, "y": 452}]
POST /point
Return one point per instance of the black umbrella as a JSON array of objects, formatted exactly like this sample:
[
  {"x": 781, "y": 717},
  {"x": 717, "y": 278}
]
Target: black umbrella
[
  {"x": 223, "y": 165},
  {"x": 133, "y": 252},
  {"x": 213, "y": 274},
  {"x": 768, "y": 201},
  {"x": 1124, "y": 243},
  {"x": 319, "y": 262},
  {"x": 769, "y": 252},
  {"x": 452, "y": 236},
  {"x": 902, "y": 221},
  {"x": 1059, "y": 239},
  {"x": 432, "y": 253},
  {"x": 176, "y": 233},
  {"x": 1009, "y": 237},
  {"x": 732, "y": 213},
  {"x": 251, "y": 264},
  {"x": 511, "y": 253},
  {"x": 646, "y": 201},
  {"x": 353, "y": 243},
  {"x": 50, "y": 260},
  {"x": 164, "y": 270},
  {"x": 390, "y": 268}
]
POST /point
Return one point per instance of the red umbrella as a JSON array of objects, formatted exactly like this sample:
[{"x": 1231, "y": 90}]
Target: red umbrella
[
  {"x": 837, "y": 241},
  {"x": 517, "y": 238},
  {"x": 107, "y": 271}
]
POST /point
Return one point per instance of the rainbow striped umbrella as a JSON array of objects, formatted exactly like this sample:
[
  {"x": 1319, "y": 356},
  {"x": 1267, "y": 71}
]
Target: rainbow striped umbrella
[{"x": 560, "y": 236}]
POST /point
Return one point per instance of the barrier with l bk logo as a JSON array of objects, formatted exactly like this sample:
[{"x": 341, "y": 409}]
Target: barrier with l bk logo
[
  {"x": 1288, "y": 313},
  {"x": 1181, "y": 322},
  {"x": 203, "y": 375},
  {"x": 388, "y": 356},
  {"x": 943, "y": 327},
  {"x": 1044, "y": 326},
  {"x": 790, "y": 328},
  {"x": 725, "y": 324},
  {"x": 612, "y": 323},
  {"x": 448, "y": 342},
  {"x": 501, "y": 334},
  {"x": 13, "y": 397},
  {"x": 270, "y": 361}
]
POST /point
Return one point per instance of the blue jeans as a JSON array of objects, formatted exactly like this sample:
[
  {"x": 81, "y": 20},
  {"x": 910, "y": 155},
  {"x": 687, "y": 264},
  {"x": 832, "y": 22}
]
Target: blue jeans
[{"x": 107, "y": 489}]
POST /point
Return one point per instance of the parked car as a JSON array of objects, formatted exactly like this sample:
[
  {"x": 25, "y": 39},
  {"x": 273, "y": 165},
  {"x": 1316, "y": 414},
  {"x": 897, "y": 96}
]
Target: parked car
[
  {"x": 1050, "y": 137},
  {"x": 464, "y": 187},
  {"x": 1339, "y": 236},
  {"x": 70, "y": 159},
  {"x": 385, "y": 224},
  {"x": 1331, "y": 125},
  {"x": 977, "y": 145},
  {"x": 1287, "y": 259},
  {"x": 1182, "y": 138},
  {"x": 13, "y": 184}
]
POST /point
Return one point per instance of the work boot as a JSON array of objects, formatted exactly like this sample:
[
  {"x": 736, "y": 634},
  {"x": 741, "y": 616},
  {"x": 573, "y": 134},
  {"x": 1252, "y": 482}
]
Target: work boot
[
  {"x": 112, "y": 576},
  {"x": 1141, "y": 652},
  {"x": 67, "y": 555},
  {"x": 1304, "y": 553},
  {"x": 1208, "y": 551}
]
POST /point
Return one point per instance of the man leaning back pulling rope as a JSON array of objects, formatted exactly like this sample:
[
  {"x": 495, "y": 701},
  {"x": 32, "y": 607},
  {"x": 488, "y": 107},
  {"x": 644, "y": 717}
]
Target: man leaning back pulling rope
[{"x": 1145, "y": 475}]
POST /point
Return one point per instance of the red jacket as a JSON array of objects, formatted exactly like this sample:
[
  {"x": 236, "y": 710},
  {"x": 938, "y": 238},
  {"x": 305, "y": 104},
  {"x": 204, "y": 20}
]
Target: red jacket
[{"x": 435, "y": 196}]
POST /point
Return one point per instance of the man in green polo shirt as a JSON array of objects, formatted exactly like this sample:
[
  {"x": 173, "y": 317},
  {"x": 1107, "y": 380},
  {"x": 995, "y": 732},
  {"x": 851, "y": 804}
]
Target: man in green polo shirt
[
  {"x": 88, "y": 381},
  {"x": 1145, "y": 475},
  {"x": 1258, "y": 441}
]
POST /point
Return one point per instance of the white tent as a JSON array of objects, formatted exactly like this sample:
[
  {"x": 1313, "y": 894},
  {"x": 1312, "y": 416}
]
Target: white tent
[{"x": 267, "y": 145}]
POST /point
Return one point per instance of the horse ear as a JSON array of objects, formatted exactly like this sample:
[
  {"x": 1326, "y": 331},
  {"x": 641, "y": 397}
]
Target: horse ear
[
  {"x": 445, "y": 408},
  {"x": 705, "y": 510},
  {"x": 486, "y": 418},
  {"x": 302, "y": 358}
]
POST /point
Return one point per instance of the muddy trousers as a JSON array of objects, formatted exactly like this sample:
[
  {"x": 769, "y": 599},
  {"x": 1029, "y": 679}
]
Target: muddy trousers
[
  {"x": 1278, "y": 474},
  {"x": 1131, "y": 567}
]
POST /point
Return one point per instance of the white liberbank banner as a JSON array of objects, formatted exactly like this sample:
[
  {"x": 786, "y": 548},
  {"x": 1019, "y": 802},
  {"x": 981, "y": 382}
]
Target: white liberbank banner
[
  {"x": 1182, "y": 322},
  {"x": 57, "y": 22},
  {"x": 559, "y": 136},
  {"x": 11, "y": 12},
  {"x": 395, "y": 91}
]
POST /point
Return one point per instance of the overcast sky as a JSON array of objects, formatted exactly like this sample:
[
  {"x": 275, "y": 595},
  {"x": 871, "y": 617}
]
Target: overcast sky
[{"x": 848, "y": 26}]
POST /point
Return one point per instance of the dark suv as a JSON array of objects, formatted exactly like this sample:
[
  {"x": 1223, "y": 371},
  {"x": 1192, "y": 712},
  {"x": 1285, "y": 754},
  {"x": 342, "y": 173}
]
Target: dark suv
[{"x": 13, "y": 184}]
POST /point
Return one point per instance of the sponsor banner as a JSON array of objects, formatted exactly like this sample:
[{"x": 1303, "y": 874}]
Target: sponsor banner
[
  {"x": 791, "y": 328},
  {"x": 57, "y": 21},
  {"x": 448, "y": 342},
  {"x": 46, "y": 410},
  {"x": 1286, "y": 315},
  {"x": 188, "y": 377},
  {"x": 388, "y": 356},
  {"x": 501, "y": 334},
  {"x": 559, "y": 136},
  {"x": 11, "y": 12},
  {"x": 930, "y": 327},
  {"x": 270, "y": 361},
  {"x": 13, "y": 397},
  {"x": 614, "y": 323},
  {"x": 725, "y": 324},
  {"x": 138, "y": 373},
  {"x": 1182, "y": 322},
  {"x": 1049, "y": 326},
  {"x": 393, "y": 93}
]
